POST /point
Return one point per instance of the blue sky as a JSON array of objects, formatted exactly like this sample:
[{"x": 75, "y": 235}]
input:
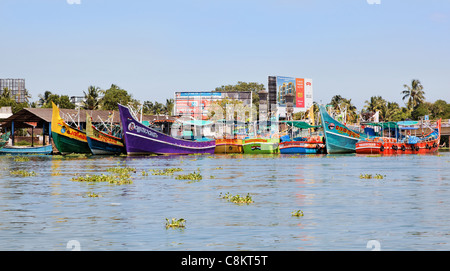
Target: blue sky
[{"x": 154, "y": 48}]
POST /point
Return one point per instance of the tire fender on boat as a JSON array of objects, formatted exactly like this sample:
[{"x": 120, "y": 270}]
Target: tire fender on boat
[
  {"x": 403, "y": 148},
  {"x": 382, "y": 148}
]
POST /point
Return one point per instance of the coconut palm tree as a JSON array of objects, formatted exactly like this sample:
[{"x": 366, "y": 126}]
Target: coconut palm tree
[
  {"x": 91, "y": 98},
  {"x": 414, "y": 94},
  {"x": 376, "y": 103}
]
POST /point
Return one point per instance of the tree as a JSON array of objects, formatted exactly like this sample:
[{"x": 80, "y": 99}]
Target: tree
[
  {"x": 115, "y": 95},
  {"x": 341, "y": 105},
  {"x": 376, "y": 103},
  {"x": 414, "y": 94},
  {"x": 244, "y": 86},
  {"x": 92, "y": 98},
  {"x": 63, "y": 101}
]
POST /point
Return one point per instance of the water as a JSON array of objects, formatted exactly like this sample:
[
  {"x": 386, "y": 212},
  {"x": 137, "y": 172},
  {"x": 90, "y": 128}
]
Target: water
[{"x": 409, "y": 209}]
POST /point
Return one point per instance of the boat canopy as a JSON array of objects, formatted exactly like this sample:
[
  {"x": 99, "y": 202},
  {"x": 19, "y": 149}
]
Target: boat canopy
[
  {"x": 301, "y": 124},
  {"x": 384, "y": 125},
  {"x": 407, "y": 122}
]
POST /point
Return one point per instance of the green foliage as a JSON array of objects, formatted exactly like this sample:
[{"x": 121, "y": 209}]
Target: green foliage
[
  {"x": 237, "y": 198},
  {"x": 21, "y": 159},
  {"x": 297, "y": 213},
  {"x": 92, "y": 98},
  {"x": 175, "y": 223},
  {"x": 166, "y": 171},
  {"x": 370, "y": 176},
  {"x": 113, "y": 96},
  {"x": 23, "y": 173},
  {"x": 195, "y": 176}
]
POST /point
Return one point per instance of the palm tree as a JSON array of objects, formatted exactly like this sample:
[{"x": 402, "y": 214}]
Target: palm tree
[
  {"x": 414, "y": 94},
  {"x": 6, "y": 93},
  {"x": 393, "y": 112},
  {"x": 44, "y": 99},
  {"x": 91, "y": 98},
  {"x": 169, "y": 106},
  {"x": 376, "y": 103}
]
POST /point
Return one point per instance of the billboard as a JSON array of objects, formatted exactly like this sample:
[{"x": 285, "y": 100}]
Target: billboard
[
  {"x": 196, "y": 104},
  {"x": 301, "y": 88}
]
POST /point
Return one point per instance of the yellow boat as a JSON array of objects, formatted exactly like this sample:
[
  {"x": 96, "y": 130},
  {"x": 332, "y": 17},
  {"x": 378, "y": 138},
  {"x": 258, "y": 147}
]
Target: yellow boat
[{"x": 225, "y": 145}]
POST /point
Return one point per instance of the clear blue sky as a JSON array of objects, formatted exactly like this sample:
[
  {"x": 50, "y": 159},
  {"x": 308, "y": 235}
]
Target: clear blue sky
[{"x": 154, "y": 48}]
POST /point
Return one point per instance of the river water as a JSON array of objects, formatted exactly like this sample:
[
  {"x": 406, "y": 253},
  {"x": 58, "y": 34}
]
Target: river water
[{"x": 408, "y": 209}]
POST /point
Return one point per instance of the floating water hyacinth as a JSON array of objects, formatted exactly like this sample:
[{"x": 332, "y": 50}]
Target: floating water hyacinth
[
  {"x": 112, "y": 179},
  {"x": 195, "y": 176},
  {"x": 121, "y": 170},
  {"x": 370, "y": 176},
  {"x": 23, "y": 173},
  {"x": 166, "y": 171},
  {"x": 175, "y": 223},
  {"x": 297, "y": 213},
  {"x": 237, "y": 198},
  {"x": 21, "y": 159}
]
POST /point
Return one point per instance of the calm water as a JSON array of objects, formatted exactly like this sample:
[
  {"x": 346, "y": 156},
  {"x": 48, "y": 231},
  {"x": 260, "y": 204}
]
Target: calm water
[{"x": 407, "y": 210}]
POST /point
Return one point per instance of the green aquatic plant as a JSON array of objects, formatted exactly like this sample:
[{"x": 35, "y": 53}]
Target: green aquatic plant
[
  {"x": 23, "y": 173},
  {"x": 121, "y": 170},
  {"x": 237, "y": 198},
  {"x": 370, "y": 176},
  {"x": 166, "y": 171},
  {"x": 112, "y": 179},
  {"x": 21, "y": 159},
  {"x": 144, "y": 173},
  {"x": 175, "y": 223},
  {"x": 195, "y": 176},
  {"x": 93, "y": 195},
  {"x": 297, "y": 213}
]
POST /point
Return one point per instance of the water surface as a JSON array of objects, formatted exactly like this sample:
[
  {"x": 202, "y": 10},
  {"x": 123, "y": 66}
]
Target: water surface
[{"x": 409, "y": 209}]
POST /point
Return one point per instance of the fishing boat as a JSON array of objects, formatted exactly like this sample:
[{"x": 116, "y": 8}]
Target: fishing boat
[
  {"x": 397, "y": 142},
  {"x": 338, "y": 137},
  {"x": 260, "y": 145},
  {"x": 225, "y": 145},
  {"x": 66, "y": 138},
  {"x": 140, "y": 139},
  {"x": 100, "y": 142},
  {"x": 46, "y": 149},
  {"x": 292, "y": 144}
]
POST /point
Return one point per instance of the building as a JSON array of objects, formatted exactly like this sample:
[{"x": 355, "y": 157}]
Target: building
[{"x": 17, "y": 88}]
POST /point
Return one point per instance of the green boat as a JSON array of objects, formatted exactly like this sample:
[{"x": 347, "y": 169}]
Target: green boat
[
  {"x": 260, "y": 145},
  {"x": 67, "y": 139}
]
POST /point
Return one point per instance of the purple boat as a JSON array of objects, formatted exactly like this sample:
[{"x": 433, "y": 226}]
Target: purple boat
[{"x": 140, "y": 139}]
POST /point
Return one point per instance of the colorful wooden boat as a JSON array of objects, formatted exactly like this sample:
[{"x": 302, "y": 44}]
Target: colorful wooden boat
[
  {"x": 141, "y": 139},
  {"x": 260, "y": 145},
  {"x": 100, "y": 142},
  {"x": 338, "y": 137},
  {"x": 310, "y": 145},
  {"x": 46, "y": 149},
  {"x": 225, "y": 145},
  {"x": 401, "y": 144},
  {"x": 294, "y": 143},
  {"x": 66, "y": 138}
]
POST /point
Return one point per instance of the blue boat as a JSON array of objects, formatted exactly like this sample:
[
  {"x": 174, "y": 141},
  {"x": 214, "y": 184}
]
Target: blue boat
[
  {"x": 301, "y": 145},
  {"x": 46, "y": 149},
  {"x": 338, "y": 137}
]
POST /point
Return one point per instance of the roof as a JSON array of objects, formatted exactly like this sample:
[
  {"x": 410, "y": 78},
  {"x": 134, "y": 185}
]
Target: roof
[
  {"x": 301, "y": 124},
  {"x": 44, "y": 115}
]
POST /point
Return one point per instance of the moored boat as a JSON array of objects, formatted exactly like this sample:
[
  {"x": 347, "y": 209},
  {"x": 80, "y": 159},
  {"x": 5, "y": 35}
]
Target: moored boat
[
  {"x": 260, "y": 145},
  {"x": 401, "y": 144},
  {"x": 4, "y": 139},
  {"x": 100, "y": 142},
  {"x": 338, "y": 137},
  {"x": 141, "y": 139},
  {"x": 293, "y": 143},
  {"x": 225, "y": 145},
  {"x": 46, "y": 149},
  {"x": 66, "y": 138}
]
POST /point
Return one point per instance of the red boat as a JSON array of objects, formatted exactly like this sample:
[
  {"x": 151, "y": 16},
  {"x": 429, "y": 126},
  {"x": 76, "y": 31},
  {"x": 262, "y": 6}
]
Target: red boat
[{"x": 401, "y": 144}]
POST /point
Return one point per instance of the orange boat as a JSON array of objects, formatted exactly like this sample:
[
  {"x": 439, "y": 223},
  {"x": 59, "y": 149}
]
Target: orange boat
[
  {"x": 225, "y": 145},
  {"x": 401, "y": 144}
]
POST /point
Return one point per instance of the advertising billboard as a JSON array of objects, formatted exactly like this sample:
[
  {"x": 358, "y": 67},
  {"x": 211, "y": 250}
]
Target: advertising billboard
[
  {"x": 196, "y": 104},
  {"x": 301, "y": 88}
]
